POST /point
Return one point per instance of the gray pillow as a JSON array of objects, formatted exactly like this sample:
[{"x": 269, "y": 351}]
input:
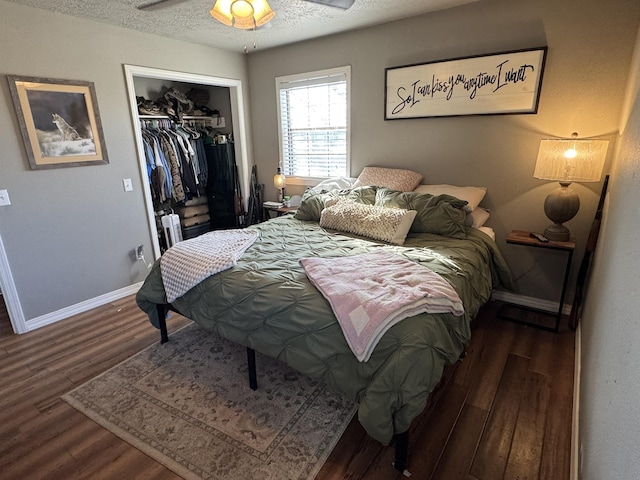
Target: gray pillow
[
  {"x": 439, "y": 214},
  {"x": 313, "y": 200}
]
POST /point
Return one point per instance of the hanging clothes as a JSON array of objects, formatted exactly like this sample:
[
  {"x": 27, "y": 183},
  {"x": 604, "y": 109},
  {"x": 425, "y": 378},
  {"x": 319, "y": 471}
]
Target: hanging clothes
[
  {"x": 159, "y": 172},
  {"x": 169, "y": 149},
  {"x": 184, "y": 162}
]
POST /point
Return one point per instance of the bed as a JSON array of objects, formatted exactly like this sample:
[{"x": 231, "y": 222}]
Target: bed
[{"x": 267, "y": 303}]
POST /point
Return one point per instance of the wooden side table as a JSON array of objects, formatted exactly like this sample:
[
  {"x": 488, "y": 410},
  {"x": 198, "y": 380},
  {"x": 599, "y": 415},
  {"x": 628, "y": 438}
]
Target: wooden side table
[{"x": 522, "y": 314}]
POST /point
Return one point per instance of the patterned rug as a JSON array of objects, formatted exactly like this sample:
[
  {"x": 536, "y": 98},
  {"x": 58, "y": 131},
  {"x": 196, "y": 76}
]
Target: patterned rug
[{"x": 187, "y": 404}]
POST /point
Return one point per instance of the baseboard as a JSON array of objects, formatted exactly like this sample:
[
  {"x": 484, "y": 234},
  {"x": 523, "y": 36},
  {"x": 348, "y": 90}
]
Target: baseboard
[
  {"x": 575, "y": 419},
  {"x": 81, "y": 307},
  {"x": 531, "y": 302}
]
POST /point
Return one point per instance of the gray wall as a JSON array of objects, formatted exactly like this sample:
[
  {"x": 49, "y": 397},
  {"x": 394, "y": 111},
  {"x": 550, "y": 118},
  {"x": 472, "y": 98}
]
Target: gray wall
[
  {"x": 587, "y": 65},
  {"x": 69, "y": 232},
  {"x": 610, "y": 389},
  {"x": 59, "y": 231}
]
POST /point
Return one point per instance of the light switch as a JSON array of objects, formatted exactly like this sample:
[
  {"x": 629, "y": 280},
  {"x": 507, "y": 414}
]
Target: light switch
[
  {"x": 4, "y": 198},
  {"x": 128, "y": 186}
]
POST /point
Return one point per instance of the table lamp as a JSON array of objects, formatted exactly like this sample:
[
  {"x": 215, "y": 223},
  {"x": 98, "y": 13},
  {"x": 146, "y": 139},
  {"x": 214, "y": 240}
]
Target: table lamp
[
  {"x": 280, "y": 181},
  {"x": 566, "y": 161}
]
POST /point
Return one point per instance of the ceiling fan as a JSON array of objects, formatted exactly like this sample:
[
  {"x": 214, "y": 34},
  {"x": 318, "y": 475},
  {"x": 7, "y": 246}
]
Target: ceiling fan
[
  {"x": 343, "y": 4},
  {"x": 159, "y": 4}
]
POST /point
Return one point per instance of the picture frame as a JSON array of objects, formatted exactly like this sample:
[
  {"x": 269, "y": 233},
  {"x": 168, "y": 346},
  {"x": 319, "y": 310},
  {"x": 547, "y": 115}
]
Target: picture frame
[
  {"x": 59, "y": 122},
  {"x": 494, "y": 84}
]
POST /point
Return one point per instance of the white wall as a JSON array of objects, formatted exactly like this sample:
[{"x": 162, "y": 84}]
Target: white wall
[
  {"x": 69, "y": 232},
  {"x": 610, "y": 380},
  {"x": 582, "y": 90}
]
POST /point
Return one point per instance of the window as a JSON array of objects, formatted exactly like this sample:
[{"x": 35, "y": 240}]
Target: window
[{"x": 313, "y": 111}]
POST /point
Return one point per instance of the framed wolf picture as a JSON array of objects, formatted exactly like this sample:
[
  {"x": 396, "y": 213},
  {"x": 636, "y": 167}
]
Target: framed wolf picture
[{"x": 59, "y": 121}]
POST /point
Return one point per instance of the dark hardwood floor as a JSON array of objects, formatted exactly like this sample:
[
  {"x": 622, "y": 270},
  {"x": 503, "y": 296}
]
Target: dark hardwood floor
[{"x": 504, "y": 412}]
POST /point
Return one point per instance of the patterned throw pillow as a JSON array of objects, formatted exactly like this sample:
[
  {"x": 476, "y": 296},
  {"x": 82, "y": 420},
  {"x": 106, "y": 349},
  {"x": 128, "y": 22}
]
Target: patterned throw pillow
[
  {"x": 390, "y": 225},
  {"x": 395, "y": 178}
]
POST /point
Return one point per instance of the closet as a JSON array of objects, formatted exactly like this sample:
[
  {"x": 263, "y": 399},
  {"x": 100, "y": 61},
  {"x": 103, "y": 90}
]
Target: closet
[{"x": 187, "y": 142}]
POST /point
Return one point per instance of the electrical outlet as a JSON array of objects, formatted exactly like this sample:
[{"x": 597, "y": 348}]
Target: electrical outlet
[
  {"x": 139, "y": 252},
  {"x": 4, "y": 198}
]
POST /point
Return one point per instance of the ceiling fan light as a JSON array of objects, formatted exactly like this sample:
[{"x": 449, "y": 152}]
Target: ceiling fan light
[
  {"x": 244, "y": 23},
  {"x": 241, "y": 9},
  {"x": 243, "y": 14},
  {"x": 221, "y": 11},
  {"x": 262, "y": 12}
]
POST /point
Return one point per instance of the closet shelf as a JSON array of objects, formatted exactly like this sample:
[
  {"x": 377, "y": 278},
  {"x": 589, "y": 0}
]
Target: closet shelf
[{"x": 217, "y": 122}]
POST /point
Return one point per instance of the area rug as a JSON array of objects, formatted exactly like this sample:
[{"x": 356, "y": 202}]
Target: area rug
[{"x": 187, "y": 404}]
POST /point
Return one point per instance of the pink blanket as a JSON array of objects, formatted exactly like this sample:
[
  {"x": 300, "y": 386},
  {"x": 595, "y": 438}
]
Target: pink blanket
[{"x": 371, "y": 292}]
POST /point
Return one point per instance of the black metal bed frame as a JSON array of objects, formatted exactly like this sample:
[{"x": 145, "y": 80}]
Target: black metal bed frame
[{"x": 400, "y": 440}]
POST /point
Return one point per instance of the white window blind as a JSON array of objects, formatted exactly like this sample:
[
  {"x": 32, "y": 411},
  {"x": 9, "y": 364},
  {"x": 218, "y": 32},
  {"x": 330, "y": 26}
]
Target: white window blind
[{"x": 314, "y": 124}]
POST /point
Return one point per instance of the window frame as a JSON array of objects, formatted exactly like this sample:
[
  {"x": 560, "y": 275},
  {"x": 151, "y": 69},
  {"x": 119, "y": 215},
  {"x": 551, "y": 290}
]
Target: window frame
[{"x": 310, "y": 76}]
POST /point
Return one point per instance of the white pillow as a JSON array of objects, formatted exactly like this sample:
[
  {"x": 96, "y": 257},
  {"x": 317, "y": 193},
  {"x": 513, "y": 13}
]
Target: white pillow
[
  {"x": 394, "y": 178},
  {"x": 338, "y": 183},
  {"x": 477, "y": 218},
  {"x": 380, "y": 223},
  {"x": 473, "y": 195},
  {"x": 489, "y": 232}
]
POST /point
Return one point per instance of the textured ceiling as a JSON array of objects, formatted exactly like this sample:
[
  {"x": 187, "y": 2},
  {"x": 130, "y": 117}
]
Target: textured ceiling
[{"x": 190, "y": 21}]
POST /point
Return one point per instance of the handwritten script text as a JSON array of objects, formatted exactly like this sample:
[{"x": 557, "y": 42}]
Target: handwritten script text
[{"x": 502, "y": 76}]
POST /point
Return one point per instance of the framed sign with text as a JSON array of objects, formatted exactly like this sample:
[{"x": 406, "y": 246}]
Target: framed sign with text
[{"x": 500, "y": 83}]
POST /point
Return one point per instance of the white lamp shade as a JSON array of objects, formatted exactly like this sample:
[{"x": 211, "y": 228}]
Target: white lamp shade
[
  {"x": 571, "y": 160},
  {"x": 244, "y": 14}
]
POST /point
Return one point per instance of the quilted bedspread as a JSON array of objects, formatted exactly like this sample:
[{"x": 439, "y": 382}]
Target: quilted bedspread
[{"x": 266, "y": 302}]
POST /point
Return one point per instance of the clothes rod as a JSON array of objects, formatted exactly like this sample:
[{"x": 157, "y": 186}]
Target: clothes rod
[{"x": 215, "y": 121}]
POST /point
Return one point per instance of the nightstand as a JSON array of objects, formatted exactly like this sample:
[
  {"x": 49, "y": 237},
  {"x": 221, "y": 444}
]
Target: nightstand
[
  {"x": 528, "y": 315},
  {"x": 278, "y": 209}
]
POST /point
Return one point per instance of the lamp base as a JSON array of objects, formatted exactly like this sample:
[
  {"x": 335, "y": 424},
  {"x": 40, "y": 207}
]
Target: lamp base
[
  {"x": 560, "y": 206},
  {"x": 557, "y": 233}
]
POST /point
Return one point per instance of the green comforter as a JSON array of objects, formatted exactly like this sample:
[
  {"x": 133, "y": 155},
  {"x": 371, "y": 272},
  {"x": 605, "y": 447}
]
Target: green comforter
[{"x": 267, "y": 303}]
